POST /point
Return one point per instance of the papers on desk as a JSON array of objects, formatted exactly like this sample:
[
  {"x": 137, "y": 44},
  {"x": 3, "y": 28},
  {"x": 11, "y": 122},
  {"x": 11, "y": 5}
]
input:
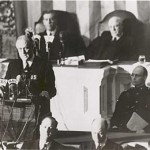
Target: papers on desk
[
  {"x": 136, "y": 122},
  {"x": 71, "y": 61},
  {"x": 100, "y": 61}
]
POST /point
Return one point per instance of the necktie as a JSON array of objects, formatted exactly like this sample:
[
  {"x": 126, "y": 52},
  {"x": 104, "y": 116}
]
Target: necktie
[
  {"x": 114, "y": 40},
  {"x": 26, "y": 69}
]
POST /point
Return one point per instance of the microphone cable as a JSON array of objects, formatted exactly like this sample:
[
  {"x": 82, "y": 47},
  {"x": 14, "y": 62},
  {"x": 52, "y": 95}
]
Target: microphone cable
[
  {"x": 15, "y": 99},
  {"x": 27, "y": 121}
]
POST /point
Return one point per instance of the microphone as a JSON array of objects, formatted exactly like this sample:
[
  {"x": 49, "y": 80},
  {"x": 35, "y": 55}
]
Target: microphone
[
  {"x": 12, "y": 85},
  {"x": 48, "y": 42},
  {"x": 18, "y": 78},
  {"x": 29, "y": 32},
  {"x": 37, "y": 39},
  {"x": 62, "y": 40}
]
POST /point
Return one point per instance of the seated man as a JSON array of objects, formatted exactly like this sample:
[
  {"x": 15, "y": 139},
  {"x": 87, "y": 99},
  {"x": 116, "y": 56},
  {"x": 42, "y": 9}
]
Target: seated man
[
  {"x": 100, "y": 140},
  {"x": 48, "y": 130},
  {"x": 64, "y": 44},
  {"x": 113, "y": 44},
  {"x": 132, "y": 110},
  {"x": 33, "y": 75}
]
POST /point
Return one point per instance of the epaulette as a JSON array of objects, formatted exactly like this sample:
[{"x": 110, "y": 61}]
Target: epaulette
[{"x": 130, "y": 89}]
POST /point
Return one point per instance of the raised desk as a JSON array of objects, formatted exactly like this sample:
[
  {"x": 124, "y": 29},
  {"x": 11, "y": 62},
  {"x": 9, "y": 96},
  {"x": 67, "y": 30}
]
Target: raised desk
[{"x": 86, "y": 91}]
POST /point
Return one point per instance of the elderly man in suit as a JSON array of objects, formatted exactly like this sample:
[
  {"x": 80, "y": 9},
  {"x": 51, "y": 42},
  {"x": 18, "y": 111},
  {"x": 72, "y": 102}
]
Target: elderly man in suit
[
  {"x": 32, "y": 74},
  {"x": 46, "y": 141},
  {"x": 100, "y": 141},
  {"x": 48, "y": 129},
  {"x": 112, "y": 44}
]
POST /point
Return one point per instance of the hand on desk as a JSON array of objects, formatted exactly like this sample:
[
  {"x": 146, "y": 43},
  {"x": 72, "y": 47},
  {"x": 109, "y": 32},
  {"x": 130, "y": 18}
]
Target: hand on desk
[{"x": 140, "y": 131}]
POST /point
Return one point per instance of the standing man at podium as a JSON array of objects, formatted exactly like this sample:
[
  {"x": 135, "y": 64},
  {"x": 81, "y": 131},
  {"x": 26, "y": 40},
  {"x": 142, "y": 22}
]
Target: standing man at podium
[{"x": 36, "y": 74}]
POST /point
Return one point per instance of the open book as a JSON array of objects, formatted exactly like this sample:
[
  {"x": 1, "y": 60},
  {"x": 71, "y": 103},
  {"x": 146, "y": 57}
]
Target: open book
[{"x": 136, "y": 122}]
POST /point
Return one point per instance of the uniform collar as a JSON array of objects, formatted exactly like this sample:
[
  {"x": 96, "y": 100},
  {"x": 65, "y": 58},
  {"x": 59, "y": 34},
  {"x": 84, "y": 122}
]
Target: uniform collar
[{"x": 141, "y": 87}]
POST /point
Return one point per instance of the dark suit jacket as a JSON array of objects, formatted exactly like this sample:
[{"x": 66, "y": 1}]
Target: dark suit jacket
[
  {"x": 73, "y": 46},
  {"x": 35, "y": 145},
  {"x": 103, "y": 48},
  {"x": 41, "y": 79},
  {"x": 109, "y": 146}
]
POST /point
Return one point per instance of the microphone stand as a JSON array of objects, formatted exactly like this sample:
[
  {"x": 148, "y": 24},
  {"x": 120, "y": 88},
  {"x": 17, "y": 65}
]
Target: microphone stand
[
  {"x": 61, "y": 57},
  {"x": 48, "y": 49}
]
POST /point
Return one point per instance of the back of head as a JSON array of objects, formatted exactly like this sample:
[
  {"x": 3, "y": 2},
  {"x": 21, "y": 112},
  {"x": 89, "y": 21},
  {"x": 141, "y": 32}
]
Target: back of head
[
  {"x": 25, "y": 39},
  {"x": 98, "y": 124},
  {"x": 49, "y": 117}
]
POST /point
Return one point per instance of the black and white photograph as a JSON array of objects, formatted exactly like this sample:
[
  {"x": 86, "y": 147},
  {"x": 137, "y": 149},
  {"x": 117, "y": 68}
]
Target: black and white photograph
[{"x": 75, "y": 75}]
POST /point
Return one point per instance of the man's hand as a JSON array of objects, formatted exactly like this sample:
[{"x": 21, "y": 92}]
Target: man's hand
[
  {"x": 140, "y": 131},
  {"x": 45, "y": 94},
  {"x": 1, "y": 92}
]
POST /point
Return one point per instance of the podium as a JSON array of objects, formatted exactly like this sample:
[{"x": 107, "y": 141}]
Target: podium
[{"x": 17, "y": 120}]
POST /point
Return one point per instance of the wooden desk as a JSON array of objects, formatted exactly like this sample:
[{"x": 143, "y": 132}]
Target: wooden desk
[
  {"x": 86, "y": 91},
  {"x": 78, "y": 97}
]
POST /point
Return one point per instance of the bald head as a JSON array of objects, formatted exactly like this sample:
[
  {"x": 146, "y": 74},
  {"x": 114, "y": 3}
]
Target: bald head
[
  {"x": 24, "y": 39},
  {"x": 139, "y": 76},
  {"x": 115, "y": 25},
  {"x": 50, "y": 120},
  {"x": 48, "y": 128},
  {"x": 99, "y": 129},
  {"x": 99, "y": 123}
]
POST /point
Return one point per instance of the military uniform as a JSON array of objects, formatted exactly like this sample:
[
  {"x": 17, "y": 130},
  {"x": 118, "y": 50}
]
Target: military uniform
[{"x": 133, "y": 100}]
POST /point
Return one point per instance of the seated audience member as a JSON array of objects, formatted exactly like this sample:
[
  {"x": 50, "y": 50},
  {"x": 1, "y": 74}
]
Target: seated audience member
[
  {"x": 99, "y": 135},
  {"x": 113, "y": 44},
  {"x": 64, "y": 44},
  {"x": 48, "y": 130},
  {"x": 34, "y": 74},
  {"x": 132, "y": 110}
]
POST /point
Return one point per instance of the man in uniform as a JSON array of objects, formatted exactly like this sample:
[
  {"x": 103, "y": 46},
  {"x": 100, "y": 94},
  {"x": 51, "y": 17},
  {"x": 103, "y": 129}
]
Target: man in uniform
[{"x": 135, "y": 100}]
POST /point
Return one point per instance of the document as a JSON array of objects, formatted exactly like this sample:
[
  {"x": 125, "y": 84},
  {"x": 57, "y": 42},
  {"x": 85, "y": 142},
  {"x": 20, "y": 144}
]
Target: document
[
  {"x": 136, "y": 122},
  {"x": 100, "y": 61}
]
